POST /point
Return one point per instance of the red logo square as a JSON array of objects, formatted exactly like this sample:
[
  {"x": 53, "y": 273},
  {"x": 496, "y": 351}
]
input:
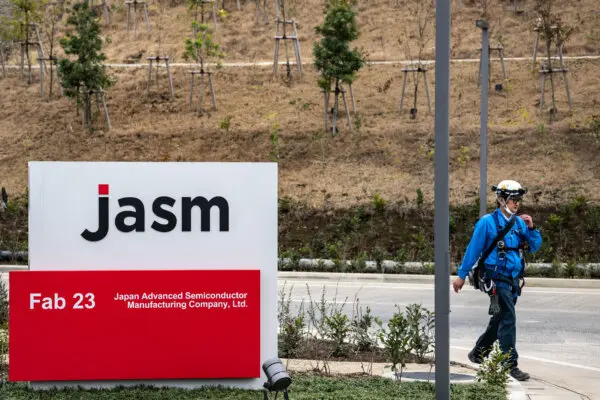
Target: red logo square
[{"x": 103, "y": 189}]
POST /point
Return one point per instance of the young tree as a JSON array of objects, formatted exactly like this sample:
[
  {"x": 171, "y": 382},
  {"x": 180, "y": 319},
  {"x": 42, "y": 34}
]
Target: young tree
[
  {"x": 202, "y": 46},
  {"x": 552, "y": 31},
  {"x": 85, "y": 75},
  {"x": 424, "y": 11},
  {"x": 53, "y": 13},
  {"x": 333, "y": 57},
  {"x": 194, "y": 5},
  {"x": 25, "y": 12},
  {"x": 6, "y": 38}
]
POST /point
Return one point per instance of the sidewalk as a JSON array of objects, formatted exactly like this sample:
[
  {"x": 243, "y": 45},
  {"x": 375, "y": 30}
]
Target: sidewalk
[
  {"x": 459, "y": 373},
  {"x": 534, "y": 389}
]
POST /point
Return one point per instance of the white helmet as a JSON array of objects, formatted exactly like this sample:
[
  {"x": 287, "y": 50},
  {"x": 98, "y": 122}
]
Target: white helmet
[{"x": 508, "y": 189}]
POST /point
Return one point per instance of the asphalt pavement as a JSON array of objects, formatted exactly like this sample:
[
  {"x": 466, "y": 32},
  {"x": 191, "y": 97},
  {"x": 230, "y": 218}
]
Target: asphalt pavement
[{"x": 558, "y": 334}]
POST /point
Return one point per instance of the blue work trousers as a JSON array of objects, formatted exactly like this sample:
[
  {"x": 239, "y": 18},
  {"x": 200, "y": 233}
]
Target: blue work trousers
[{"x": 502, "y": 327}]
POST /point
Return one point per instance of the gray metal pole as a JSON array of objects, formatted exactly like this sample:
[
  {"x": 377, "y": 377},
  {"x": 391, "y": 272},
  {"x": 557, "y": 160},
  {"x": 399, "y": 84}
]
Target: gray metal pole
[
  {"x": 441, "y": 218},
  {"x": 485, "y": 49}
]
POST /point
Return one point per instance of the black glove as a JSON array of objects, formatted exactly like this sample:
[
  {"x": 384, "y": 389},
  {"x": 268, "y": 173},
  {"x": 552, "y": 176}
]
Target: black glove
[{"x": 494, "y": 306}]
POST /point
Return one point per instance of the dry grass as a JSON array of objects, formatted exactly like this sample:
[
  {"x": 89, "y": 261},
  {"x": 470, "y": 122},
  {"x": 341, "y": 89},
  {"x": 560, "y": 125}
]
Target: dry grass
[
  {"x": 382, "y": 24},
  {"x": 390, "y": 154},
  {"x": 386, "y": 27}
]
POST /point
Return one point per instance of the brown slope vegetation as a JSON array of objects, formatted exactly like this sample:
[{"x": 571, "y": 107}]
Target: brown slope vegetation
[
  {"x": 387, "y": 27},
  {"x": 390, "y": 154}
]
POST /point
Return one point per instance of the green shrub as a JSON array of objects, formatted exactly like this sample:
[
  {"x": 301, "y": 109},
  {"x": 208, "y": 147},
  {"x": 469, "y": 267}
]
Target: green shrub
[{"x": 494, "y": 369}]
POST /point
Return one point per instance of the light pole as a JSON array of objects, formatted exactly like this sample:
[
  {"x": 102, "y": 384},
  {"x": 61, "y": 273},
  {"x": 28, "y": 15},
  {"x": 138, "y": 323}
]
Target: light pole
[
  {"x": 442, "y": 209},
  {"x": 485, "y": 50}
]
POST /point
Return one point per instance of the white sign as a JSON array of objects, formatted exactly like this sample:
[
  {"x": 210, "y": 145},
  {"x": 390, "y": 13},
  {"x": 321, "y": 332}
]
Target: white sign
[{"x": 167, "y": 216}]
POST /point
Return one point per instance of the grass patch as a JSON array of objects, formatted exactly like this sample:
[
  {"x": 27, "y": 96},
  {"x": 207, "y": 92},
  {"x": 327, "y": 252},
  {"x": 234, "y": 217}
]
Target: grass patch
[{"x": 304, "y": 387}]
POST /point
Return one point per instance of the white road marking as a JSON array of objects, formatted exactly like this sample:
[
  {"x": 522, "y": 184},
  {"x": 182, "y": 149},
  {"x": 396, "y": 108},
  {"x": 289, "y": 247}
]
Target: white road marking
[
  {"x": 427, "y": 286},
  {"x": 565, "y": 364},
  {"x": 470, "y": 307}
]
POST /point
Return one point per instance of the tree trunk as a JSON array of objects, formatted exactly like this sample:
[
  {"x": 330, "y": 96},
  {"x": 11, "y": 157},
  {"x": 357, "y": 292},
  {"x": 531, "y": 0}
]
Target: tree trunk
[
  {"x": 51, "y": 60},
  {"x": 335, "y": 107},
  {"x": 416, "y": 91},
  {"x": 548, "y": 44},
  {"x": 88, "y": 109},
  {"x": 27, "y": 47},
  {"x": 78, "y": 99},
  {"x": 196, "y": 19}
]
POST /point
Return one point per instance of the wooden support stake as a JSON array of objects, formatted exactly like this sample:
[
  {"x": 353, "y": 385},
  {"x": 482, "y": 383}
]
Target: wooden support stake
[
  {"x": 346, "y": 108},
  {"x": 22, "y": 60},
  {"x": 213, "y": 13},
  {"x": 415, "y": 70},
  {"x": 545, "y": 74},
  {"x": 105, "y": 11},
  {"x": 158, "y": 59},
  {"x": 2, "y": 60},
  {"x": 547, "y": 70},
  {"x": 335, "y": 110},
  {"x": 294, "y": 38},
  {"x": 202, "y": 90},
  {"x": 100, "y": 98},
  {"x": 537, "y": 30},
  {"x": 326, "y": 110},
  {"x": 265, "y": 16},
  {"x": 145, "y": 10},
  {"x": 565, "y": 70},
  {"x": 54, "y": 71},
  {"x": 37, "y": 44},
  {"x": 500, "y": 51},
  {"x": 352, "y": 98},
  {"x": 537, "y": 43},
  {"x": 105, "y": 110},
  {"x": 41, "y": 61}
]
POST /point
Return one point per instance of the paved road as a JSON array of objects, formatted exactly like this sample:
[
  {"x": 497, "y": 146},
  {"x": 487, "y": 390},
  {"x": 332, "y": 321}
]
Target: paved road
[{"x": 558, "y": 334}]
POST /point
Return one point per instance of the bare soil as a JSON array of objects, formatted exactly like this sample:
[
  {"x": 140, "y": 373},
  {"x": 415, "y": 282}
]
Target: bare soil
[
  {"x": 317, "y": 349},
  {"x": 272, "y": 119}
]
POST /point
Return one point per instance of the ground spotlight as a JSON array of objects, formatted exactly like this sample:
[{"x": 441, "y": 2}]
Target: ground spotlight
[{"x": 278, "y": 379}]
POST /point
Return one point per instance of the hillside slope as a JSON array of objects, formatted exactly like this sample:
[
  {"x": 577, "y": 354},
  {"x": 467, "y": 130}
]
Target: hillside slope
[{"x": 386, "y": 153}]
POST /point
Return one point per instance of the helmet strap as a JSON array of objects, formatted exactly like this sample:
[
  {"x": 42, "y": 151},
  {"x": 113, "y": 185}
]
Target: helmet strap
[{"x": 503, "y": 202}]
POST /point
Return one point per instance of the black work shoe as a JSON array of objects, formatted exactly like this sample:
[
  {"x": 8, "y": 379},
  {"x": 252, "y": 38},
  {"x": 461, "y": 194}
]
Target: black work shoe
[
  {"x": 518, "y": 374},
  {"x": 474, "y": 358}
]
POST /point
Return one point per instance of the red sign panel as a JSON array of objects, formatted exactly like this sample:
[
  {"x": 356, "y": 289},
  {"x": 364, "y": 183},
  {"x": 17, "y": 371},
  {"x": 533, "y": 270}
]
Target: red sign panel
[{"x": 113, "y": 325}]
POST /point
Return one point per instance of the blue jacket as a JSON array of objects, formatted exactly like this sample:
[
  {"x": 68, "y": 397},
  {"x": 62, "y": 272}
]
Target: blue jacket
[{"x": 485, "y": 232}]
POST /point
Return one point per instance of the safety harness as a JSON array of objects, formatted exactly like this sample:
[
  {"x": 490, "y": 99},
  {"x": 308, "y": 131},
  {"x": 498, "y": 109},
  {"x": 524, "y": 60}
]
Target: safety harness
[{"x": 485, "y": 279}]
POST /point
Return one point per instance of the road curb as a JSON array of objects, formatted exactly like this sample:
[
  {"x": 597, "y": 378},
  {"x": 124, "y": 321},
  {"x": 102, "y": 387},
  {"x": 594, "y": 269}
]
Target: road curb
[
  {"x": 516, "y": 391},
  {"x": 7, "y": 268},
  {"x": 392, "y": 278},
  {"x": 427, "y": 279}
]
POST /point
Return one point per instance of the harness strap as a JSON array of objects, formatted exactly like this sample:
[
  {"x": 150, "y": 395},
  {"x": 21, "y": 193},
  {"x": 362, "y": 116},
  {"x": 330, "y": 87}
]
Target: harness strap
[{"x": 496, "y": 275}]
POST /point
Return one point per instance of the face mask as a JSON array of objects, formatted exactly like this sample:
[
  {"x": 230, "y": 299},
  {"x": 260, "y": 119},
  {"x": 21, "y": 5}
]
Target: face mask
[{"x": 503, "y": 203}]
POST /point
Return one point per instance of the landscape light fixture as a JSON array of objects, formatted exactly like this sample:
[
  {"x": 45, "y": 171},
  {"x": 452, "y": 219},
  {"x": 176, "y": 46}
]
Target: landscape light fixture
[
  {"x": 4, "y": 200},
  {"x": 482, "y": 23},
  {"x": 278, "y": 379}
]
